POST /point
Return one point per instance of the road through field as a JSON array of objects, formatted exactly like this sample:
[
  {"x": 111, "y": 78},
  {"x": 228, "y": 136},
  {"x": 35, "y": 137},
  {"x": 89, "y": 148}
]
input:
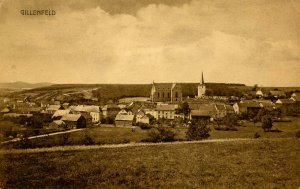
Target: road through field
[{"x": 92, "y": 147}]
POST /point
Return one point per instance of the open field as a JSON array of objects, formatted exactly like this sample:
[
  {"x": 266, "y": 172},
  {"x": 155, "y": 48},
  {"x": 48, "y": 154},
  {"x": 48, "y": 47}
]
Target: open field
[
  {"x": 269, "y": 163},
  {"x": 108, "y": 134}
]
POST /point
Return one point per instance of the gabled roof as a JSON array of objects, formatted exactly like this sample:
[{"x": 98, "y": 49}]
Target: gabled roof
[
  {"x": 110, "y": 106},
  {"x": 285, "y": 101},
  {"x": 60, "y": 113},
  {"x": 165, "y": 86},
  {"x": 121, "y": 117},
  {"x": 5, "y": 110},
  {"x": 84, "y": 108},
  {"x": 169, "y": 107},
  {"x": 296, "y": 94},
  {"x": 70, "y": 117},
  {"x": 59, "y": 122},
  {"x": 53, "y": 107},
  {"x": 296, "y": 98},
  {"x": 204, "y": 110}
]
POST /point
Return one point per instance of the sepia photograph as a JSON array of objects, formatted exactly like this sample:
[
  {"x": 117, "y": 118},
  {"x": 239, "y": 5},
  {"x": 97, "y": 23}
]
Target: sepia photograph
[{"x": 149, "y": 94}]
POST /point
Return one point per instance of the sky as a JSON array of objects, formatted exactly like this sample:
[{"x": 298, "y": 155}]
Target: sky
[{"x": 140, "y": 41}]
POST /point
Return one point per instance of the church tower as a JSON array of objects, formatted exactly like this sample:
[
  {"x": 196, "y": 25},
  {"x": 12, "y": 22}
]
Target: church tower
[{"x": 201, "y": 88}]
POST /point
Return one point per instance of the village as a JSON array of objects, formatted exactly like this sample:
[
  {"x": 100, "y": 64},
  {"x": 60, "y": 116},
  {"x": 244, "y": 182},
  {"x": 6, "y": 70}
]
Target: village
[{"x": 166, "y": 106}]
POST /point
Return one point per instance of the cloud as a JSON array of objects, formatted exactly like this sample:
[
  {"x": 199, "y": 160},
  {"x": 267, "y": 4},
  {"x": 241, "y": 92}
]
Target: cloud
[{"x": 159, "y": 42}]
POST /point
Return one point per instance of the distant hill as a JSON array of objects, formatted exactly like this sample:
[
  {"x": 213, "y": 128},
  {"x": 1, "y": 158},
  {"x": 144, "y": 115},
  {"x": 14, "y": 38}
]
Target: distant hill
[{"x": 19, "y": 85}]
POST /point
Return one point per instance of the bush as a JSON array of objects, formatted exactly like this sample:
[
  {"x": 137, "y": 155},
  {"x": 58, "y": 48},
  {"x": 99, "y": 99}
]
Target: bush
[
  {"x": 298, "y": 134},
  {"x": 87, "y": 140},
  {"x": 145, "y": 126},
  {"x": 225, "y": 128},
  {"x": 267, "y": 123},
  {"x": 198, "y": 131},
  {"x": 24, "y": 143},
  {"x": 161, "y": 134},
  {"x": 256, "y": 135}
]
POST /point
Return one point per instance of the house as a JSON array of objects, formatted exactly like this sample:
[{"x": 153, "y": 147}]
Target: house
[
  {"x": 5, "y": 110},
  {"x": 267, "y": 105},
  {"x": 125, "y": 112},
  {"x": 296, "y": 98},
  {"x": 152, "y": 112},
  {"x": 246, "y": 106},
  {"x": 57, "y": 124},
  {"x": 90, "y": 112},
  {"x": 286, "y": 106},
  {"x": 145, "y": 119},
  {"x": 59, "y": 113},
  {"x": 229, "y": 109},
  {"x": 200, "y": 114},
  {"x": 110, "y": 110},
  {"x": 277, "y": 94},
  {"x": 259, "y": 94},
  {"x": 296, "y": 94},
  {"x": 166, "y": 92},
  {"x": 140, "y": 115},
  {"x": 51, "y": 109},
  {"x": 166, "y": 111},
  {"x": 124, "y": 120},
  {"x": 74, "y": 121},
  {"x": 221, "y": 110}
]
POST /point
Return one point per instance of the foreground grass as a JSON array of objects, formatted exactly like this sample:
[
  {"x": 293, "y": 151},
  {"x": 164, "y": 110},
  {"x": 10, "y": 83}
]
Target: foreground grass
[{"x": 252, "y": 164}]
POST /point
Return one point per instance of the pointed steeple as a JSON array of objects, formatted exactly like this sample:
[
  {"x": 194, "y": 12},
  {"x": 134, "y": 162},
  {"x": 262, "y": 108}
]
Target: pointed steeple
[{"x": 202, "y": 79}]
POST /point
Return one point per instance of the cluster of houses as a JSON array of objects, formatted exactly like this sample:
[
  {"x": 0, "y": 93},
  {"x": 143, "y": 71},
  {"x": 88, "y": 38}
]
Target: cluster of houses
[{"x": 164, "y": 104}]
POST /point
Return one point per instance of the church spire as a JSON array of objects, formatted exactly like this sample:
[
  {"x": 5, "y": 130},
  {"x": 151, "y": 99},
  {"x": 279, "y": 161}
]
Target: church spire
[{"x": 202, "y": 79}]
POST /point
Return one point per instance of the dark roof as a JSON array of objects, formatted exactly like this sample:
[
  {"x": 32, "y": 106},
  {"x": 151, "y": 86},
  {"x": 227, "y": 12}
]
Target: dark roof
[
  {"x": 204, "y": 110},
  {"x": 165, "y": 86}
]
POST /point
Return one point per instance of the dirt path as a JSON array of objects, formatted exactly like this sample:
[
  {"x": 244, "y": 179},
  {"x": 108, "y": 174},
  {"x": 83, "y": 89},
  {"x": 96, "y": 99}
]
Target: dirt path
[{"x": 92, "y": 147}]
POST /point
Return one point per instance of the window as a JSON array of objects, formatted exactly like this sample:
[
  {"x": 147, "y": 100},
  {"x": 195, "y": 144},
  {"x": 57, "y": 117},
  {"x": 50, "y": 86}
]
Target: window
[
  {"x": 176, "y": 94},
  {"x": 163, "y": 95},
  {"x": 168, "y": 95},
  {"x": 157, "y": 95}
]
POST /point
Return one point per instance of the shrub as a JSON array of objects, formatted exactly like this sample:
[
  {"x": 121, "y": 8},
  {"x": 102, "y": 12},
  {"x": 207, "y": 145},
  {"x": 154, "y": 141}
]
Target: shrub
[
  {"x": 145, "y": 126},
  {"x": 225, "y": 128},
  {"x": 87, "y": 140},
  {"x": 65, "y": 138},
  {"x": 267, "y": 123},
  {"x": 256, "y": 135},
  {"x": 161, "y": 134},
  {"x": 198, "y": 131},
  {"x": 24, "y": 143},
  {"x": 298, "y": 134}
]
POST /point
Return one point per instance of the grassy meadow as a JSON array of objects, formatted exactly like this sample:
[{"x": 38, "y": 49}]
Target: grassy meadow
[
  {"x": 117, "y": 135},
  {"x": 261, "y": 163}
]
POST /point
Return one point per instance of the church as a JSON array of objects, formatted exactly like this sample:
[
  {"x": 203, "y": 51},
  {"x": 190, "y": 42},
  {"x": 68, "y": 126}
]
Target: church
[
  {"x": 172, "y": 92},
  {"x": 201, "y": 88},
  {"x": 166, "y": 92}
]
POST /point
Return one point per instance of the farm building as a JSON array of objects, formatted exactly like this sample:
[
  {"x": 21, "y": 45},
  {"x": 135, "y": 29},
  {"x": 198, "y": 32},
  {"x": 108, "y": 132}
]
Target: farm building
[
  {"x": 124, "y": 120},
  {"x": 74, "y": 121}
]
